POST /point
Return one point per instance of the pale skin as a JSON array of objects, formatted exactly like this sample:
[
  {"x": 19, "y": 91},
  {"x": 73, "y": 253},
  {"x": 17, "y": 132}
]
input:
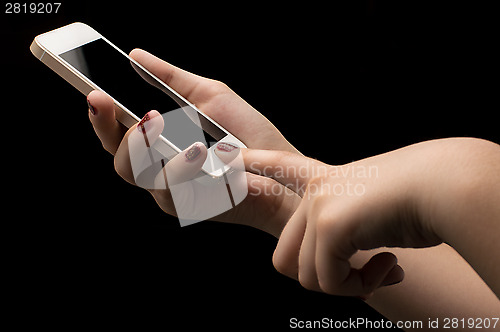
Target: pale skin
[{"x": 442, "y": 196}]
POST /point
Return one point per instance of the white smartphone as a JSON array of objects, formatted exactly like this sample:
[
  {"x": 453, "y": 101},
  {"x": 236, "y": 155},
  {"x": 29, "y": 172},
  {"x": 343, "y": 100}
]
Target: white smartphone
[{"x": 88, "y": 61}]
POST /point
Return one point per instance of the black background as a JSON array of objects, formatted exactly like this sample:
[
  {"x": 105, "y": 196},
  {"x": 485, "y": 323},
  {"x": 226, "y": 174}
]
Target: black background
[{"x": 341, "y": 81}]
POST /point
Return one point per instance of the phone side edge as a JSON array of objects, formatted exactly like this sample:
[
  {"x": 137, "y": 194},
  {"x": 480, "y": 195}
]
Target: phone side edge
[
  {"x": 36, "y": 49},
  {"x": 51, "y": 61}
]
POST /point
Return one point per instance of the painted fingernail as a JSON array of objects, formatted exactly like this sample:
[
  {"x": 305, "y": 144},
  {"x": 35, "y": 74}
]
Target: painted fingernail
[
  {"x": 91, "y": 108},
  {"x": 226, "y": 147},
  {"x": 193, "y": 152},
  {"x": 140, "y": 125}
]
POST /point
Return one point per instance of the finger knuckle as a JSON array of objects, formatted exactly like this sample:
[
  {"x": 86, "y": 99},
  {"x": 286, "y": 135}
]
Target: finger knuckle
[
  {"x": 109, "y": 148},
  {"x": 317, "y": 180},
  {"x": 307, "y": 281},
  {"x": 124, "y": 172},
  {"x": 118, "y": 168},
  {"x": 315, "y": 186},
  {"x": 328, "y": 287},
  {"x": 166, "y": 74},
  {"x": 285, "y": 156},
  {"x": 323, "y": 223},
  {"x": 214, "y": 87},
  {"x": 281, "y": 264}
]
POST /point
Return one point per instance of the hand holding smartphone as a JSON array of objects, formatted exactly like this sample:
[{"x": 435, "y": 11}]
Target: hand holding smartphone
[{"x": 89, "y": 61}]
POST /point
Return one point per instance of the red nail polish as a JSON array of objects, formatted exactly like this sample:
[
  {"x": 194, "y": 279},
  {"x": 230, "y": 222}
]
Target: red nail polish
[
  {"x": 226, "y": 147},
  {"x": 192, "y": 153},
  {"x": 91, "y": 108},
  {"x": 140, "y": 125}
]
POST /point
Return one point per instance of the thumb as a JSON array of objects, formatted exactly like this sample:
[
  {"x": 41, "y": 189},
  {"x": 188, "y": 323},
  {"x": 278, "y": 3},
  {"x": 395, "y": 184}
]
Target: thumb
[
  {"x": 290, "y": 169},
  {"x": 186, "y": 165}
]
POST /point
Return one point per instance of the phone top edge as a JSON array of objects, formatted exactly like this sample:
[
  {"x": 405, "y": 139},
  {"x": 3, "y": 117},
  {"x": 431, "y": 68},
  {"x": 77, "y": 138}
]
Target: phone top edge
[{"x": 63, "y": 39}]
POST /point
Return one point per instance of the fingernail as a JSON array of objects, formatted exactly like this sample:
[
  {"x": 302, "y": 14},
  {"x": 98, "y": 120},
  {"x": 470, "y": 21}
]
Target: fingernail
[
  {"x": 226, "y": 147},
  {"x": 193, "y": 152},
  {"x": 140, "y": 125},
  {"x": 91, "y": 108},
  {"x": 391, "y": 283}
]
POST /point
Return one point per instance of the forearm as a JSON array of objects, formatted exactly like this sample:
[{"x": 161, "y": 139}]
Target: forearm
[
  {"x": 476, "y": 236},
  {"x": 465, "y": 207},
  {"x": 461, "y": 202},
  {"x": 438, "y": 283}
]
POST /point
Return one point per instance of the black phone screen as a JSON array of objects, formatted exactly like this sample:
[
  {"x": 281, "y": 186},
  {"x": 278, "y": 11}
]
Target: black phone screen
[{"x": 132, "y": 87}]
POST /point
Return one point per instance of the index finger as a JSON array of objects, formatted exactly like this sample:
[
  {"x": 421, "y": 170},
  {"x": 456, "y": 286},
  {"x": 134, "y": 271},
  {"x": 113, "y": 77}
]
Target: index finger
[
  {"x": 102, "y": 117},
  {"x": 290, "y": 169}
]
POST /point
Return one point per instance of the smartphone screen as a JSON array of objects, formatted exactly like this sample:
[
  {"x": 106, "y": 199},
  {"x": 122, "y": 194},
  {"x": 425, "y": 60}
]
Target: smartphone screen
[{"x": 135, "y": 89}]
